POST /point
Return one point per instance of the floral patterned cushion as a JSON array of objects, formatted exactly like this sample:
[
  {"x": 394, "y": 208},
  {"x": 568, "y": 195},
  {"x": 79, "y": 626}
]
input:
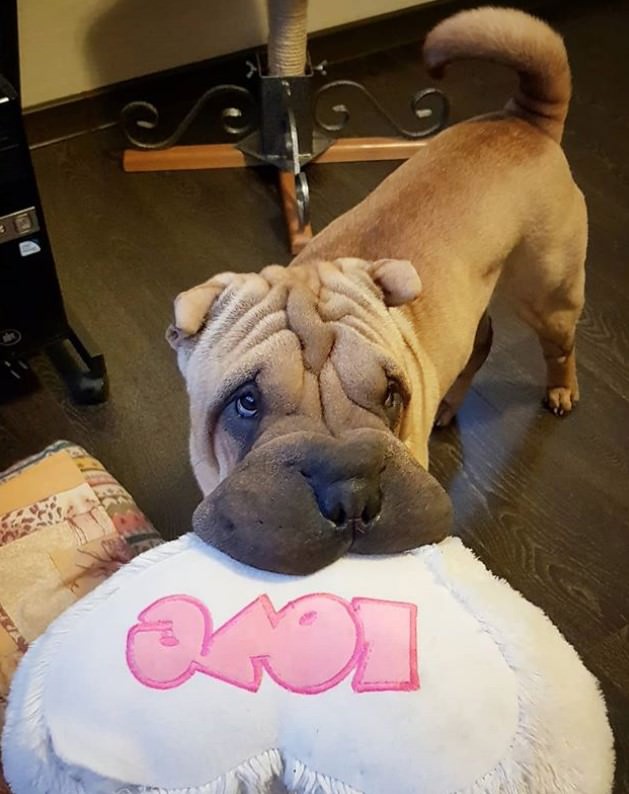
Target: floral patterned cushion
[{"x": 65, "y": 525}]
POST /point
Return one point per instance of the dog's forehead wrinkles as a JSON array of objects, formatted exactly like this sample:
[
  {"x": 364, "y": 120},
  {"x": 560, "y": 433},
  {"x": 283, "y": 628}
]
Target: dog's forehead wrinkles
[
  {"x": 324, "y": 298},
  {"x": 316, "y": 337},
  {"x": 323, "y": 308},
  {"x": 242, "y": 308}
]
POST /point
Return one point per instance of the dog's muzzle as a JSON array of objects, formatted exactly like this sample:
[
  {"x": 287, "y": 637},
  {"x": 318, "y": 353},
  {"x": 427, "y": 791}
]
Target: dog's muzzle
[{"x": 297, "y": 503}]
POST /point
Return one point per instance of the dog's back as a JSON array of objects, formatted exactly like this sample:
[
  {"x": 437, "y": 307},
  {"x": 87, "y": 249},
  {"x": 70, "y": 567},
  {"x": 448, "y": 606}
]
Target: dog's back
[
  {"x": 481, "y": 168},
  {"x": 490, "y": 197}
]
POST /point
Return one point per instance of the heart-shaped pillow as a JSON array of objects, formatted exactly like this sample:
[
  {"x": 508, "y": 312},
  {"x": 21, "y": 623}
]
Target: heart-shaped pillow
[{"x": 190, "y": 672}]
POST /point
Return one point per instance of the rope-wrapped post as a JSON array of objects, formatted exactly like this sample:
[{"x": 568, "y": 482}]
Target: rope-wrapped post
[{"x": 287, "y": 37}]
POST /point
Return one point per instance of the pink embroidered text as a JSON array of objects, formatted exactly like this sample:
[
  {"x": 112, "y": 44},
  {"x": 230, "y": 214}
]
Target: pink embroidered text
[{"x": 308, "y": 647}]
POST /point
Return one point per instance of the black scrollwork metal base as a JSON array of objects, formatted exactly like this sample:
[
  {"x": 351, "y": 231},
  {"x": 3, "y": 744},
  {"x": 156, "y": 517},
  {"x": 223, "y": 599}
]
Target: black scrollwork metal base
[
  {"x": 141, "y": 120},
  {"x": 429, "y": 103},
  {"x": 285, "y": 123}
]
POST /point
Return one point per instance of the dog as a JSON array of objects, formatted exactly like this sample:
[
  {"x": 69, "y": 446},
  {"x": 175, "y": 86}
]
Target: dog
[{"x": 314, "y": 387}]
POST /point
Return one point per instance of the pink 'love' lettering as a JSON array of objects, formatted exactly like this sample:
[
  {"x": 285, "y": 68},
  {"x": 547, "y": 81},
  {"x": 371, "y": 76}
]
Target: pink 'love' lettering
[{"x": 308, "y": 647}]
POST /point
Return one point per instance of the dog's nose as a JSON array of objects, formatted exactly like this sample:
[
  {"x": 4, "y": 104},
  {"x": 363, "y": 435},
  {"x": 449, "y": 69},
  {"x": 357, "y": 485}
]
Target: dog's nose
[
  {"x": 345, "y": 476},
  {"x": 352, "y": 503}
]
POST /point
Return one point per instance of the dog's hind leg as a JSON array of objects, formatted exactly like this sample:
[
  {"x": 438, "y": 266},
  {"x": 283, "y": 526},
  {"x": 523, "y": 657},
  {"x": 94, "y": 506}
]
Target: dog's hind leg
[
  {"x": 557, "y": 340},
  {"x": 556, "y": 332},
  {"x": 550, "y": 299},
  {"x": 452, "y": 401}
]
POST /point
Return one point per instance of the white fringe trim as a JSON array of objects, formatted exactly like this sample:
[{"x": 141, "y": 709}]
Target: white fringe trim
[{"x": 299, "y": 779}]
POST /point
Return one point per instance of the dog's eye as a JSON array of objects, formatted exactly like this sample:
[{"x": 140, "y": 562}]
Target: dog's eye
[
  {"x": 393, "y": 402},
  {"x": 247, "y": 405}
]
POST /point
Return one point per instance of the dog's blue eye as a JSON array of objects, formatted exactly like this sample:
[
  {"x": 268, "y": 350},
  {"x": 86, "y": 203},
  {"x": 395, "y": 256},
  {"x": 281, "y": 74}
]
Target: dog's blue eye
[{"x": 247, "y": 405}]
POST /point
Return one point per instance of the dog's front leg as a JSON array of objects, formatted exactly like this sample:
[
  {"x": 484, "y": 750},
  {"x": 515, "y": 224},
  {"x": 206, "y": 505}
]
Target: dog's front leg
[{"x": 453, "y": 400}]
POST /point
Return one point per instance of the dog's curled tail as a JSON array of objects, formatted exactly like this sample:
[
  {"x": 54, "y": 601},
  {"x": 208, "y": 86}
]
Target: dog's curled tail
[{"x": 519, "y": 41}]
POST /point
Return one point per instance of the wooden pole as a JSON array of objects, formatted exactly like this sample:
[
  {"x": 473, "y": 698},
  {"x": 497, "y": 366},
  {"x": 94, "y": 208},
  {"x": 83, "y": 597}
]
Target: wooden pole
[
  {"x": 298, "y": 235},
  {"x": 225, "y": 155}
]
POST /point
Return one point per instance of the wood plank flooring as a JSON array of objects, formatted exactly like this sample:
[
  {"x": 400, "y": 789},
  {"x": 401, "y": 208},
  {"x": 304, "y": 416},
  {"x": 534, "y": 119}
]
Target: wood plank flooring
[{"x": 544, "y": 502}]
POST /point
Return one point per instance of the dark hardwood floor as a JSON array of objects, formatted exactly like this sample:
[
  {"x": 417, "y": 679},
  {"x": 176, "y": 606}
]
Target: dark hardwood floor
[{"x": 544, "y": 502}]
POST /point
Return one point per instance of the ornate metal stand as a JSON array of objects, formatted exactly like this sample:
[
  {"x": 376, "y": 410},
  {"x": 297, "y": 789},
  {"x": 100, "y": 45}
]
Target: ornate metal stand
[{"x": 285, "y": 123}]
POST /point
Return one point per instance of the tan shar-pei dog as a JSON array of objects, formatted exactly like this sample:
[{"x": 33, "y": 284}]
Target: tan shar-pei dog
[{"x": 314, "y": 387}]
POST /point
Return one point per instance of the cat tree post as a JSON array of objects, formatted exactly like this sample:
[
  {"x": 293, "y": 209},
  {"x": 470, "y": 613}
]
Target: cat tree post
[
  {"x": 291, "y": 133},
  {"x": 287, "y": 57},
  {"x": 287, "y": 37}
]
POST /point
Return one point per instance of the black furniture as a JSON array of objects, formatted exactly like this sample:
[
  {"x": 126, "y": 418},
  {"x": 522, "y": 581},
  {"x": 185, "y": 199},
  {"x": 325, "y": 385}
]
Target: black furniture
[{"x": 32, "y": 313}]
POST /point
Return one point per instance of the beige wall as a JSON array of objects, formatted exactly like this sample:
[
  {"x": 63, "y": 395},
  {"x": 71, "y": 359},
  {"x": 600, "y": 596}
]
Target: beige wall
[{"x": 72, "y": 46}]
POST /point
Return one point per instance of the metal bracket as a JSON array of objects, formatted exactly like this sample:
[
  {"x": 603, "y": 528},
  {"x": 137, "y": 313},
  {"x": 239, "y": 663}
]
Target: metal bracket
[{"x": 286, "y": 137}]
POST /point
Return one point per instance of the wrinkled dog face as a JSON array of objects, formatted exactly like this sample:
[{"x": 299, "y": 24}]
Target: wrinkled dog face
[{"x": 305, "y": 396}]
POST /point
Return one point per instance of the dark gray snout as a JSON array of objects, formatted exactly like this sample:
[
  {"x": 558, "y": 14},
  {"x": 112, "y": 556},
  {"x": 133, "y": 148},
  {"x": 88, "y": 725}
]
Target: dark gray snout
[
  {"x": 346, "y": 481},
  {"x": 297, "y": 503}
]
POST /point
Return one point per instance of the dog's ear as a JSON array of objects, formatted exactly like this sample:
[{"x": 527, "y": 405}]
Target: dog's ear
[
  {"x": 397, "y": 278},
  {"x": 193, "y": 306}
]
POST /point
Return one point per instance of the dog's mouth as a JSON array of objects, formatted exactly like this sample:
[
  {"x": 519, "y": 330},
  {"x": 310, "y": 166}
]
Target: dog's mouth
[
  {"x": 350, "y": 531},
  {"x": 295, "y": 506},
  {"x": 357, "y": 527}
]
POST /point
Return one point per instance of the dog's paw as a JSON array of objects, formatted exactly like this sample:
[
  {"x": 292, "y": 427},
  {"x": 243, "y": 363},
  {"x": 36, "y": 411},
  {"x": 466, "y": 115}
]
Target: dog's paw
[{"x": 560, "y": 400}]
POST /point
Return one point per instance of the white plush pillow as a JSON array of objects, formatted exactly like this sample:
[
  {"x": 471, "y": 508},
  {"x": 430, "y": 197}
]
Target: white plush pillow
[{"x": 411, "y": 674}]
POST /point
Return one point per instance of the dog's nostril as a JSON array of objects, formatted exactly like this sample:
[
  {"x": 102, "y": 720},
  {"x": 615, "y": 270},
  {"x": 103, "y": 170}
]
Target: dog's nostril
[
  {"x": 353, "y": 502},
  {"x": 371, "y": 511},
  {"x": 336, "y": 514}
]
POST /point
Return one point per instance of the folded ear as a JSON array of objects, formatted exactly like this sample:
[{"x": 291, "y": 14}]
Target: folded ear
[
  {"x": 193, "y": 306},
  {"x": 397, "y": 278}
]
